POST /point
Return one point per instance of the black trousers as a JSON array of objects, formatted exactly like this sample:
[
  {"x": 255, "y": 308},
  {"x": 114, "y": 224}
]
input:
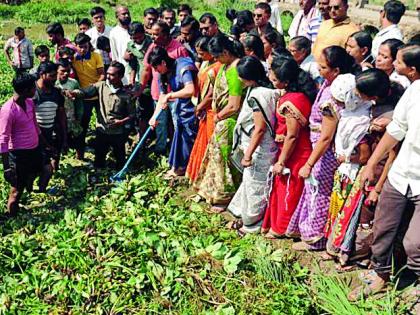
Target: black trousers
[
  {"x": 102, "y": 145},
  {"x": 89, "y": 105}
]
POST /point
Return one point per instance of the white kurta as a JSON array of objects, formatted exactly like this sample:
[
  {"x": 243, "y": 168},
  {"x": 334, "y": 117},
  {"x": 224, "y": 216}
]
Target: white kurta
[{"x": 119, "y": 39}]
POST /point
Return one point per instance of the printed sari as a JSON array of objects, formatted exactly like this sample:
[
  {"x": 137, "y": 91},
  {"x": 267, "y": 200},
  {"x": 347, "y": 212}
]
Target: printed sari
[
  {"x": 217, "y": 180},
  {"x": 206, "y": 78}
]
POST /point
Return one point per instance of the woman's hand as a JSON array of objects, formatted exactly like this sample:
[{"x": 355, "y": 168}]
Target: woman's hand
[
  {"x": 163, "y": 100},
  {"x": 379, "y": 124},
  {"x": 153, "y": 122},
  {"x": 341, "y": 159},
  {"x": 367, "y": 175},
  {"x": 372, "y": 198},
  {"x": 278, "y": 169},
  {"x": 246, "y": 162},
  {"x": 305, "y": 171}
]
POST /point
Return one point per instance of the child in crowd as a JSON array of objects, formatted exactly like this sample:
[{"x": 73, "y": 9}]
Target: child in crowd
[
  {"x": 72, "y": 107},
  {"x": 42, "y": 53},
  {"x": 84, "y": 25},
  {"x": 23, "y": 54},
  {"x": 104, "y": 47},
  {"x": 352, "y": 151},
  {"x": 137, "y": 48}
]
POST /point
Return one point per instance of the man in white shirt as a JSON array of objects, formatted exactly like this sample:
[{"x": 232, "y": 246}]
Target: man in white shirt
[
  {"x": 119, "y": 39},
  {"x": 402, "y": 186},
  {"x": 389, "y": 18},
  {"x": 307, "y": 12},
  {"x": 99, "y": 29}
]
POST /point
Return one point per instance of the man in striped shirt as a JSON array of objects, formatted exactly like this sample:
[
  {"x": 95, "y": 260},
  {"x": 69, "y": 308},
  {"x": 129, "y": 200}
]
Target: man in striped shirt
[
  {"x": 51, "y": 118},
  {"x": 315, "y": 23}
]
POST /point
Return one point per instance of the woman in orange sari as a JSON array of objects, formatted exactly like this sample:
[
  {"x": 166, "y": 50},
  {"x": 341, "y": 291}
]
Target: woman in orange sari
[{"x": 206, "y": 77}]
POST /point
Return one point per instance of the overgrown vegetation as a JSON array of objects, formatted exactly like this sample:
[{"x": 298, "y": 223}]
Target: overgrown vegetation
[{"x": 144, "y": 247}]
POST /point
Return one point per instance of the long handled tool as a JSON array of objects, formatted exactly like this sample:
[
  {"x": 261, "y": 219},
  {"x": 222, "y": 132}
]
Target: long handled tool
[{"x": 120, "y": 175}]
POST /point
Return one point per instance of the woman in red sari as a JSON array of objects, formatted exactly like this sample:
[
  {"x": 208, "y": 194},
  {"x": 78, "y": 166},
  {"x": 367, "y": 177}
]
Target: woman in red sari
[
  {"x": 206, "y": 77},
  {"x": 292, "y": 136}
]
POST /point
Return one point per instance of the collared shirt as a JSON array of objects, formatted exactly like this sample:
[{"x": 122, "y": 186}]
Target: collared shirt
[
  {"x": 275, "y": 18},
  {"x": 119, "y": 39},
  {"x": 331, "y": 33},
  {"x": 18, "y": 127},
  {"x": 86, "y": 68},
  {"x": 23, "y": 53},
  {"x": 94, "y": 34},
  {"x": 313, "y": 28},
  {"x": 138, "y": 51},
  {"x": 299, "y": 26},
  {"x": 405, "y": 125},
  {"x": 389, "y": 32},
  {"x": 266, "y": 29},
  {"x": 174, "y": 50},
  {"x": 113, "y": 104}
]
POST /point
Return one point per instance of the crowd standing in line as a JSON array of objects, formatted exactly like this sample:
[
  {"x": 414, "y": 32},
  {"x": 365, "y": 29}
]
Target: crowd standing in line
[{"x": 317, "y": 141}]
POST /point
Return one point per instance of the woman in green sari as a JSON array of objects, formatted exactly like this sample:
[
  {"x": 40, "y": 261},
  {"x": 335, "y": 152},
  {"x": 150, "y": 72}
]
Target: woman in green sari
[{"x": 217, "y": 180}]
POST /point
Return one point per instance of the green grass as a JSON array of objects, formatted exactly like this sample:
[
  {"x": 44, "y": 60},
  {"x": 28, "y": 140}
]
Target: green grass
[{"x": 137, "y": 248}]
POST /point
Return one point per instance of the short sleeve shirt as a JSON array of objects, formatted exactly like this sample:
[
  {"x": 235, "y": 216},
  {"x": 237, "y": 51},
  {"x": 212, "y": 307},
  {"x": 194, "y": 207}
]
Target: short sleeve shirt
[
  {"x": 46, "y": 106},
  {"x": 87, "y": 68}
]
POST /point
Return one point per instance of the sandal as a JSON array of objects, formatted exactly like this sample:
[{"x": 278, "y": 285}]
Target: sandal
[
  {"x": 346, "y": 268},
  {"x": 273, "y": 236},
  {"x": 235, "y": 224},
  {"x": 301, "y": 246},
  {"x": 217, "y": 209},
  {"x": 325, "y": 256}
]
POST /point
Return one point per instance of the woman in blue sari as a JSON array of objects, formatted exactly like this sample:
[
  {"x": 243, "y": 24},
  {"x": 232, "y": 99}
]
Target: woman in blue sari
[{"x": 177, "y": 85}]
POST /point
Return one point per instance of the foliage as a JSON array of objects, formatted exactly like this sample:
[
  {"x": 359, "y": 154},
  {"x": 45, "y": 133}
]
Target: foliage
[{"x": 134, "y": 248}]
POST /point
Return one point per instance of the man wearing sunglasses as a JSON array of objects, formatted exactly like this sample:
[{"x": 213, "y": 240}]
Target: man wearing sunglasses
[
  {"x": 336, "y": 30},
  {"x": 389, "y": 18},
  {"x": 262, "y": 14}
]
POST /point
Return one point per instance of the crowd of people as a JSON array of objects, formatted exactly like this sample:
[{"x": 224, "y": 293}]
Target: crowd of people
[{"x": 313, "y": 139}]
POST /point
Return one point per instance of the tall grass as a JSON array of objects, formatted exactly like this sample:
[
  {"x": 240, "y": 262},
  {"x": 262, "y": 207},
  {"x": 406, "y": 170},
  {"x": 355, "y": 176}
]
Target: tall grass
[{"x": 330, "y": 295}]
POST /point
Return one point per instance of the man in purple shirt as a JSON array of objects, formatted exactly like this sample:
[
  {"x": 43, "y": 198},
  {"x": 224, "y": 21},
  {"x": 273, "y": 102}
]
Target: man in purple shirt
[{"x": 19, "y": 140}]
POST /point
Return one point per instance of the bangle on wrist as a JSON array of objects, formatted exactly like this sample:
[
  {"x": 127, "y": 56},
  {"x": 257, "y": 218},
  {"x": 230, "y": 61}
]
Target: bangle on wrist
[
  {"x": 309, "y": 164},
  {"x": 247, "y": 160},
  {"x": 280, "y": 163},
  {"x": 377, "y": 191},
  {"x": 7, "y": 170}
]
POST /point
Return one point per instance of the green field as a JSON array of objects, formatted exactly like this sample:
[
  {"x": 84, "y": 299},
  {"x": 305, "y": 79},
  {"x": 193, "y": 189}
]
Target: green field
[{"x": 143, "y": 247}]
